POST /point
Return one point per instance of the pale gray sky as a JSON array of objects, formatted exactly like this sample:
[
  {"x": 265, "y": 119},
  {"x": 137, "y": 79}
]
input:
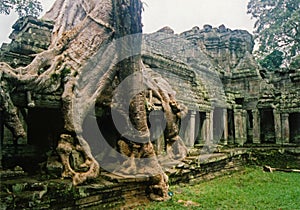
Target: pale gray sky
[{"x": 180, "y": 15}]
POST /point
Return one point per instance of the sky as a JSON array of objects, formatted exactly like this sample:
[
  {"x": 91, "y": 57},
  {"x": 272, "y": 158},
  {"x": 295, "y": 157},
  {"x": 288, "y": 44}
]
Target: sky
[{"x": 180, "y": 15}]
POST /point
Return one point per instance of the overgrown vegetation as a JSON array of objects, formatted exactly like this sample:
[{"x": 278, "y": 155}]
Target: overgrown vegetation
[
  {"x": 276, "y": 159},
  {"x": 250, "y": 189},
  {"x": 272, "y": 61},
  {"x": 277, "y": 26},
  {"x": 22, "y": 7}
]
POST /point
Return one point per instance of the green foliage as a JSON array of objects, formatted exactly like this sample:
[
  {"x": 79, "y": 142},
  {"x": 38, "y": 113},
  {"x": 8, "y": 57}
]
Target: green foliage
[
  {"x": 272, "y": 61},
  {"x": 295, "y": 64},
  {"x": 250, "y": 189},
  {"x": 22, "y": 7},
  {"x": 277, "y": 25}
]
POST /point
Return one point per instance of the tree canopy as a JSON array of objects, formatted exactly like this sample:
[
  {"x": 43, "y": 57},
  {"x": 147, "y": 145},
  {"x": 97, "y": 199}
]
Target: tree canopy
[
  {"x": 272, "y": 61},
  {"x": 277, "y": 26},
  {"x": 22, "y": 7}
]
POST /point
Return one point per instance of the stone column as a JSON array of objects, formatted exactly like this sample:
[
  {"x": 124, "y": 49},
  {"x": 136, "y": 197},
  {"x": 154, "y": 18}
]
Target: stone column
[
  {"x": 206, "y": 129},
  {"x": 285, "y": 127},
  {"x": 230, "y": 120},
  {"x": 199, "y": 130},
  {"x": 256, "y": 126},
  {"x": 240, "y": 126},
  {"x": 225, "y": 121},
  {"x": 277, "y": 125},
  {"x": 191, "y": 130},
  {"x": 244, "y": 126},
  {"x": 211, "y": 127}
]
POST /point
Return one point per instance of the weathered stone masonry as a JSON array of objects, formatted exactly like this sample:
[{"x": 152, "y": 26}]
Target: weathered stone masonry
[
  {"x": 231, "y": 100},
  {"x": 247, "y": 107}
]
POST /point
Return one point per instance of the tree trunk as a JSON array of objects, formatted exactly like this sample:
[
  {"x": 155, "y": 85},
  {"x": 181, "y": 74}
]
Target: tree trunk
[{"x": 94, "y": 43}]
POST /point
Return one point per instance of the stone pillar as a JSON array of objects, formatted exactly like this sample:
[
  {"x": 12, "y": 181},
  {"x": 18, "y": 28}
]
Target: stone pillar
[
  {"x": 231, "y": 133},
  {"x": 277, "y": 125},
  {"x": 225, "y": 121},
  {"x": 256, "y": 126},
  {"x": 244, "y": 126},
  {"x": 191, "y": 130},
  {"x": 206, "y": 129},
  {"x": 211, "y": 127},
  {"x": 240, "y": 126},
  {"x": 199, "y": 130},
  {"x": 237, "y": 123},
  {"x": 285, "y": 127}
]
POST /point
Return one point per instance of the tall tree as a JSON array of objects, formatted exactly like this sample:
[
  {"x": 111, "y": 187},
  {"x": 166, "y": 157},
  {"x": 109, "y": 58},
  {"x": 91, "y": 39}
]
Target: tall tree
[
  {"x": 94, "y": 45},
  {"x": 277, "y": 26},
  {"x": 22, "y": 7},
  {"x": 272, "y": 61}
]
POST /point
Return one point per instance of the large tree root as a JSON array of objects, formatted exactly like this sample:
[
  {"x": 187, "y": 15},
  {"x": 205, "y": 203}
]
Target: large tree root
[
  {"x": 79, "y": 51},
  {"x": 174, "y": 112},
  {"x": 76, "y": 38},
  {"x": 142, "y": 161},
  {"x": 10, "y": 115},
  {"x": 66, "y": 146},
  {"x": 137, "y": 149}
]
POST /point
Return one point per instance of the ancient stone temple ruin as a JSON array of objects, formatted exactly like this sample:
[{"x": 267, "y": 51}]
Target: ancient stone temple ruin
[
  {"x": 231, "y": 100},
  {"x": 200, "y": 90}
]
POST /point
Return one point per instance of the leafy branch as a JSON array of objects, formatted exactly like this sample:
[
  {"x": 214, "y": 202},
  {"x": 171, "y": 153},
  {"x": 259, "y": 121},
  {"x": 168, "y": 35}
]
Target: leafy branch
[{"x": 21, "y": 7}]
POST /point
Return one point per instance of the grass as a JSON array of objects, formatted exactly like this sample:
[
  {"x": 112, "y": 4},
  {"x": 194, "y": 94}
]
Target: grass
[{"x": 249, "y": 189}]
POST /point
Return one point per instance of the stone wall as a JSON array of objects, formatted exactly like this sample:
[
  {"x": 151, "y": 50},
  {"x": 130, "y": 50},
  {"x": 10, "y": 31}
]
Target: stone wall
[
  {"x": 108, "y": 191},
  {"x": 238, "y": 98},
  {"x": 229, "y": 97},
  {"x": 113, "y": 192},
  {"x": 231, "y": 101},
  {"x": 30, "y": 36}
]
